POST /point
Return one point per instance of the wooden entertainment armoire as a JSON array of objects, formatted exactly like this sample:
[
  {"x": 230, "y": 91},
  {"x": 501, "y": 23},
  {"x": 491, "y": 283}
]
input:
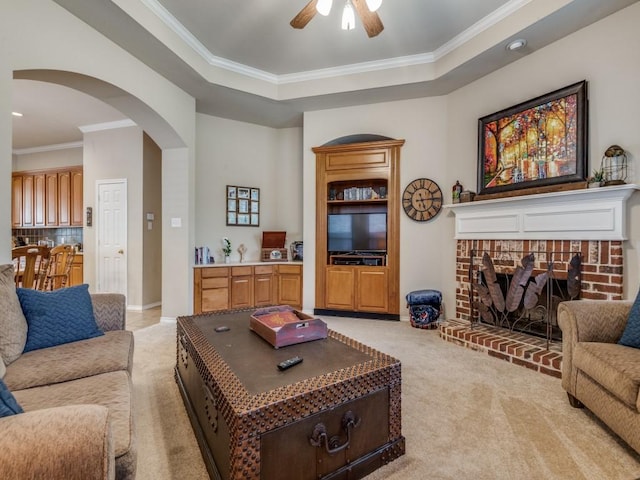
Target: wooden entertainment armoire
[{"x": 356, "y": 180}]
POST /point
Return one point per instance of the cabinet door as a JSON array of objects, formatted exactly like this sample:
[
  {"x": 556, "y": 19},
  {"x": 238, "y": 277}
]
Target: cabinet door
[
  {"x": 76, "y": 275},
  {"x": 76, "y": 198},
  {"x": 242, "y": 287},
  {"x": 263, "y": 285},
  {"x": 39, "y": 199},
  {"x": 16, "y": 201},
  {"x": 290, "y": 285},
  {"x": 51, "y": 199},
  {"x": 64, "y": 198},
  {"x": 27, "y": 200},
  {"x": 263, "y": 290},
  {"x": 242, "y": 292},
  {"x": 372, "y": 287},
  {"x": 340, "y": 288}
]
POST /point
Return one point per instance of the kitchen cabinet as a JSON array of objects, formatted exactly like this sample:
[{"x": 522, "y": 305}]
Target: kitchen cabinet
[
  {"x": 263, "y": 285},
  {"x": 51, "y": 199},
  {"x": 48, "y": 198},
  {"x": 289, "y": 285},
  {"x": 16, "y": 201},
  {"x": 242, "y": 287},
  {"x": 27, "y": 201},
  {"x": 76, "y": 275},
  {"x": 227, "y": 287}
]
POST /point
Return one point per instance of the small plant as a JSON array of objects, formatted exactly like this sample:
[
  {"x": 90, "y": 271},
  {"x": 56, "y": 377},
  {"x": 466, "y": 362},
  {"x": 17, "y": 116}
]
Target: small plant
[
  {"x": 597, "y": 177},
  {"x": 226, "y": 247}
]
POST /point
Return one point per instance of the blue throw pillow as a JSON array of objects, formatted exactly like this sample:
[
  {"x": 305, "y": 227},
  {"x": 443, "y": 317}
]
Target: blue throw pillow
[
  {"x": 631, "y": 335},
  {"x": 8, "y": 404},
  {"x": 60, "y": 316}
]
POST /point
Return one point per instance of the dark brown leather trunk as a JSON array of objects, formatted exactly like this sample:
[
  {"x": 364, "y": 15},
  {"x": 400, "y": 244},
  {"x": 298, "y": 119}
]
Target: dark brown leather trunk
[{"x": 336, "y": 415}]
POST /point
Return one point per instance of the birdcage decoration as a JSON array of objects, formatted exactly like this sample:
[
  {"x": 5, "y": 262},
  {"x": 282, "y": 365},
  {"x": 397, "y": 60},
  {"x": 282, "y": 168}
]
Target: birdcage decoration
[{"x": 614, "y": 165}]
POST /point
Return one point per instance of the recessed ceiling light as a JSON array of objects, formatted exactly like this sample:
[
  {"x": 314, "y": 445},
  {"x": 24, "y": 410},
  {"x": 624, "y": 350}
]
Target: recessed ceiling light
[
  {"x": 517, "y": 44},
  {"x": 16, "y": 114}
]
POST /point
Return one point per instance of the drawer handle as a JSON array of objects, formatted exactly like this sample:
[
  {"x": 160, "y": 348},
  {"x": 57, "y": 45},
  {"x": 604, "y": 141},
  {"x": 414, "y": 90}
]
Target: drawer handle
[{"x": 332, "y": 445}]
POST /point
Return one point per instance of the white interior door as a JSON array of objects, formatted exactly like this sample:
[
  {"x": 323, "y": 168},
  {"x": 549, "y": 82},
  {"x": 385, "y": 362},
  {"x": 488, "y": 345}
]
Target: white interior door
[{"x": 111, "y": 234}]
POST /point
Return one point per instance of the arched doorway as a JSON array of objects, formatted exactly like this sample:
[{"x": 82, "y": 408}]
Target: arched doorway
[{"x": 171, "y": 147}]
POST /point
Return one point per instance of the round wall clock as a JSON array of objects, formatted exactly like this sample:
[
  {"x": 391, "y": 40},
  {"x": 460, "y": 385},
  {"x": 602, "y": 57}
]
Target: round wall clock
[{"x": 422, "y": 199}]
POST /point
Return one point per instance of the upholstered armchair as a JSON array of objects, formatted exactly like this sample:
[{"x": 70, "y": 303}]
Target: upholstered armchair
[{"x": 598, "y": 372}]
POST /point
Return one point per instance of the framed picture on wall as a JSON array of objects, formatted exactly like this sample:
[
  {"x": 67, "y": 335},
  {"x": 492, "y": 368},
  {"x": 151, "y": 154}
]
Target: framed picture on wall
[
  {"x": 537, "y": 143},
  {"x": 242, "y": 206}
]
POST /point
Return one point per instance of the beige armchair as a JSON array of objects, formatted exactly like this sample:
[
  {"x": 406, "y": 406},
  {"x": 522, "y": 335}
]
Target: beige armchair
[{"x": 597, "y": 372}]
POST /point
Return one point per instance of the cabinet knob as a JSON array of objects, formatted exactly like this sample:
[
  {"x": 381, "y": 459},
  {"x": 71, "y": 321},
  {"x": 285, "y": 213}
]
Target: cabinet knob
[{"x": 121, "y": 252}]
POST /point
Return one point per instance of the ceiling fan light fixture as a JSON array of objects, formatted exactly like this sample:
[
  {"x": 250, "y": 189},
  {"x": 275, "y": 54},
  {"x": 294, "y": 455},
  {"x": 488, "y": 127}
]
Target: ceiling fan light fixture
[
  {"x": 348, "y": 17},
  {"x": 374, "y": 5},
  {"x": 324, "y": 7}
]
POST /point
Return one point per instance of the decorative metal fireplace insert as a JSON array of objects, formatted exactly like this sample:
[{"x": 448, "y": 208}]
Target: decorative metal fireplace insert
[{"x": 521, "y": 292}]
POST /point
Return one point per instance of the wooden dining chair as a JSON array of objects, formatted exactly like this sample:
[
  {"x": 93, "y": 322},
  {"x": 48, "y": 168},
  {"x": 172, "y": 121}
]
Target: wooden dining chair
[
  {"x": 59, "y": 267},
  {"x": 30, "y": 264}
]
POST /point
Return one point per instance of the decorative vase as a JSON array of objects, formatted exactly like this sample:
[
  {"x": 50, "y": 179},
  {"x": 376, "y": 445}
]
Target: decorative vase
[
  {"x": 227, "y": 259},
  {"x": 595, "y": 184}
]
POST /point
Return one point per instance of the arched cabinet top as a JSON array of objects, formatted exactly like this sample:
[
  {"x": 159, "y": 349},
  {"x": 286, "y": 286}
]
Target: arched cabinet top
[{"x": 358, "y": 142}]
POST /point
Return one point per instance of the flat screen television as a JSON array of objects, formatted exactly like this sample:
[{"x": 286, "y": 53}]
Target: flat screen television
[{"x": 357, "y": 232}]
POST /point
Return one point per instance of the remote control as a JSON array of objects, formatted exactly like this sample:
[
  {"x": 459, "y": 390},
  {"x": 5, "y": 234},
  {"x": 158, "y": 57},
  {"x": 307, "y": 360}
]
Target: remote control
[{"x": 289, "y": 363}]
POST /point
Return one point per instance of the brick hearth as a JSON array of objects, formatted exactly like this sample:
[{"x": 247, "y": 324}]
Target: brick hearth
[
  {"x": 601, "y": 279},
  {"x": 518, "y": 348},
  {"x": 553, "y": 226}
]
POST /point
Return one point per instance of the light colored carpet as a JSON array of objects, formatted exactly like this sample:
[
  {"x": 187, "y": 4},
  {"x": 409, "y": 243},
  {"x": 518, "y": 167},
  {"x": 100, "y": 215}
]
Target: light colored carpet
[{"x": 465, "y": 415}]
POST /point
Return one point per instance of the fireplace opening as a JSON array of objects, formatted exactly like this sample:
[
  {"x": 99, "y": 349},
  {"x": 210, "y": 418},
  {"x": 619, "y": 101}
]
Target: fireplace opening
[{"x": 522, "y": 293}]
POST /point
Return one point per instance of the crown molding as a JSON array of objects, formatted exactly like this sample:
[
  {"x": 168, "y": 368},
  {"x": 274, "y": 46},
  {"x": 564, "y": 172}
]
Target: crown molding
[
  {"x": 96, "y": 127},
  {"x": 406, "y": 61},
  {"x": 480, "y": 26},
  {"x": 47, "y": 148},
  {"x": 186, "y": 36}
]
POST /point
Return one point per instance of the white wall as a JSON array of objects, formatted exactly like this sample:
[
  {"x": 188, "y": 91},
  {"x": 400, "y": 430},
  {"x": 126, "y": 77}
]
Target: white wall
[
  {"x": 441, "y": 139},
  {"x": 164, "y": 111},
  {"x": 110, "y": 155},
  {"x": 237, "y": 153},
  {"x": 68, "y": 157}
]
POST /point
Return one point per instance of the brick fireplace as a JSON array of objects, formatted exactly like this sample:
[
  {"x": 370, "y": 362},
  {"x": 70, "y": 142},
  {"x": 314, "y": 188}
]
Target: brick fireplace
[{"x": 553, "y": 227}]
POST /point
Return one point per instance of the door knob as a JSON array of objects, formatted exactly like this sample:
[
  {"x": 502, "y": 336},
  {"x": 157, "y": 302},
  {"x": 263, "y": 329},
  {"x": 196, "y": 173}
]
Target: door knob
[{"x": 121, "y": 251}]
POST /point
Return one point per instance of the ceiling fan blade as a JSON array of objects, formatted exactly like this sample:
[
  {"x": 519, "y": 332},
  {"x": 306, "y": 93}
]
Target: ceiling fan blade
[
  {"x": 305, "y": 15},
  {"x": 370, "y": 20}
]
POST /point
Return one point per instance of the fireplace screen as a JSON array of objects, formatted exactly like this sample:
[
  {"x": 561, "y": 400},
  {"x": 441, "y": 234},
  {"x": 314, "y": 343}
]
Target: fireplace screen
[{"x": 522, "y": 294}]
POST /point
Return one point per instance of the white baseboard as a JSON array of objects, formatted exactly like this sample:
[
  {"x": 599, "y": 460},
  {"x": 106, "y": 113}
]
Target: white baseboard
[
  {"x": 140, "y": 308},
  {"x": 169, "y": 320}
]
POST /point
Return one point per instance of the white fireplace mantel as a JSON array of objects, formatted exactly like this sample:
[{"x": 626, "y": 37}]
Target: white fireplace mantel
[{"x": 586, "y": 214}]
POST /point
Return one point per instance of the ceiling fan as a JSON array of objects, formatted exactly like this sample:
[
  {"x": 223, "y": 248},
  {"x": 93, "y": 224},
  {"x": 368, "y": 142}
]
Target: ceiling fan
[{"x": 365, "y": 8}]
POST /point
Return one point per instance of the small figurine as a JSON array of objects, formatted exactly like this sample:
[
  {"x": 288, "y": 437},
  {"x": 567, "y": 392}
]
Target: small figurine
[
  {"x": 456, "y": 191},
  {"x": 242, "y": 250}
]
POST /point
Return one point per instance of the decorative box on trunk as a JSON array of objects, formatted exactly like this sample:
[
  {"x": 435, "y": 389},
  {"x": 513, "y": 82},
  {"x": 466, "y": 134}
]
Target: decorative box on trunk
[
  {"x": 273, "y": 247},
  {"x": 282, "y": 325}
]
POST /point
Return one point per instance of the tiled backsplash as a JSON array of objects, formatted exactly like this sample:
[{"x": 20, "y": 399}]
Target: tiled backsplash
[{"x": 57, "y": 235}]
